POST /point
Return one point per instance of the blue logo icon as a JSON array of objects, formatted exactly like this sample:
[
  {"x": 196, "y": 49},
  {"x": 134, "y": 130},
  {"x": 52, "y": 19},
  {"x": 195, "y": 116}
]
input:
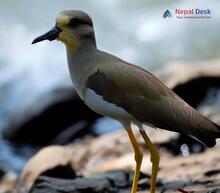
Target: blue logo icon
[{"x": 167, "y": 13}]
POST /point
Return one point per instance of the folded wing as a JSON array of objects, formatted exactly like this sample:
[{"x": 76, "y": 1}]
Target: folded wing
[{"x": 148, "y": 100}]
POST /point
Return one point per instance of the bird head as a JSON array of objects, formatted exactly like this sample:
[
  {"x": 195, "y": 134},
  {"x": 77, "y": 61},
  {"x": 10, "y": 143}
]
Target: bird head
[{"x": 72, "y": 27}]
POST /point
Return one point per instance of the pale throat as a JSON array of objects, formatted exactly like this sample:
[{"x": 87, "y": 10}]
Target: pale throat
[
  {"x": 70, "y": 44},
  {"x": 80, "y": 63}
]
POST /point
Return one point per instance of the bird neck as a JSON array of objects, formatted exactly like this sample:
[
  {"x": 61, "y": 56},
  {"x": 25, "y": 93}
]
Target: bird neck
[
  {"x": 80, "y": 62},
  {"x": 82, "y": 46},
  {"x": 81, "y": 52}
]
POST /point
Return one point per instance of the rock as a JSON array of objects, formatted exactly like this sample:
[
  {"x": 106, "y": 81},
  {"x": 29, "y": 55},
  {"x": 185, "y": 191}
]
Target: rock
[
  {"x": 195, "y": 90},
  {"x": 110, "y": 151},
  {"x": 193, "y": 81},
  {"x": 120, "y": 181},
  {"x": 7, "y": 182},
  {"x": 44, "y": 162},
  {"x": 64, "y": 172},
  {"x": 175, "y": 74},
  {"x": 105, "y": 164},
  {"x": 185, "y": 171},
  {"x": 109, "y": 182},
  {"x": 58, "y": 117},
  {"x": 54, "y": 185},
  {"x": 212, "y": 172},
  {"x": 1, "y": 173}
]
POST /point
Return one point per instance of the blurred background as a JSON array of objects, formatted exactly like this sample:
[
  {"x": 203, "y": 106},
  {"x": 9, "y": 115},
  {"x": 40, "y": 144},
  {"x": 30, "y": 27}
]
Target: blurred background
[{"x": 37, "y": 101}]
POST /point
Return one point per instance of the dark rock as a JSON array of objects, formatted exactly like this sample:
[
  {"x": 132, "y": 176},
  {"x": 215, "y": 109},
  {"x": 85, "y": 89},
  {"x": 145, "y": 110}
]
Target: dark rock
[
  {"x": 217, "y": 190},
  {"x": 110, "y": 182},
  {"x": 212, "y": 172},
  {"x": 1, "y": 173},
  {"x": 119, "y": 181},
  {"x": 203, "y": 185},
  {"x": 55, "y": 185},
  {"x": 191, "y": 81},
  {"x": 144, "y": 182},
  {"x": 118, "y": 178},
  {"x": 64, "y": 172},
  {"x": 56, "y": 118},
  {"x": 195, "y": 90}
]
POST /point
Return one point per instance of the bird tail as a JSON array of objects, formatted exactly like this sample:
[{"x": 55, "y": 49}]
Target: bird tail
[
  {"x": 217, "y": 126},
  {"x": 209, "y": 138}
]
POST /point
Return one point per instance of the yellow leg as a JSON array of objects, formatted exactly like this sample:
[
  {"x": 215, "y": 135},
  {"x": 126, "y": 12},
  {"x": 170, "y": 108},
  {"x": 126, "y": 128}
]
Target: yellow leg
[
  {"x": 155, "y": 158},
  {"x": 138, "y": 158}
]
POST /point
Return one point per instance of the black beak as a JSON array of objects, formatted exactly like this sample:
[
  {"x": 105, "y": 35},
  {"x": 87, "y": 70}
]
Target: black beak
[{"x": 50, "y": 35}]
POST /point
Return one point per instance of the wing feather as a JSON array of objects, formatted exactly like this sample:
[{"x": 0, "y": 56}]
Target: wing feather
[{"x": 147, "y": 99}]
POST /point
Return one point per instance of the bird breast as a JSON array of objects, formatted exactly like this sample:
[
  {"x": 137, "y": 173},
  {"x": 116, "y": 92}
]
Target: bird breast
[{"x": 101, "y": 106}]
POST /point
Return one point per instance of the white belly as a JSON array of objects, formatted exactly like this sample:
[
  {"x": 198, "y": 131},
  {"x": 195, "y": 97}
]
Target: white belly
[{"x": 99, "y": 105}]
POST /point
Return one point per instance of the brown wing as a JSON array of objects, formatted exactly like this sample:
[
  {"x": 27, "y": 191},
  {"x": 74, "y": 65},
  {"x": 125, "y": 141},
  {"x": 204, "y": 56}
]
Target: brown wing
[{"x": 150, "y": 101}]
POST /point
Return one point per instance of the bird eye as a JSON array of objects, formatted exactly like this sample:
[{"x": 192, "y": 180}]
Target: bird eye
[{"x": 74, "y": 22}]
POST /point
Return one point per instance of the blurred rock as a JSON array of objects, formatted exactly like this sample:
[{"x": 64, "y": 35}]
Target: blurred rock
[
  {"x": 7, "y": 182},
  {"x": 45, "y": 162},
  {"x": 58, "y": 117},
  {"x": 109, "y": 182},
  {"x": 54, "y": 185},
  {"x": 213, "y": 172},
  {"x": 193, "y": 81},
  {"x": 110, "y": 151},
  {"x": 188, "y": 172},
  {"x": 1, "y": 173},
  {"x": 64, "y": 172},
  {"x": 120, "y": 182},
  {"x": 104, "y": 164},
  {"x": 106, "y": 168}
]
